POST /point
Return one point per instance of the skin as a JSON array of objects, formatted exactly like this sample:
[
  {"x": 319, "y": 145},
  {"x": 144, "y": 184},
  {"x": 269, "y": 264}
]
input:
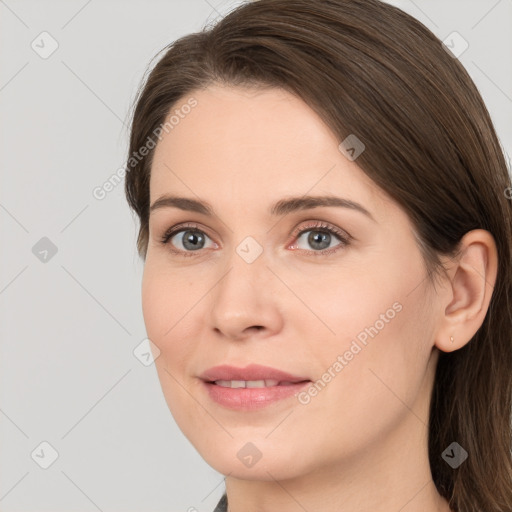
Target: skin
[{"x": 360, "y": 444}]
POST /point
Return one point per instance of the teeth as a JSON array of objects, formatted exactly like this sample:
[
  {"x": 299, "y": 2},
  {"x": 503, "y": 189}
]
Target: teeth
[
  {"x": 260, "y": 383},
  {"x": 247, "y": 383}
]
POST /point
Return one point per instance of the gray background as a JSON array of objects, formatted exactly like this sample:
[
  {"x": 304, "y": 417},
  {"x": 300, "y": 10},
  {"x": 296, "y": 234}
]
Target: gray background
[{"x": 70, "y": 323}]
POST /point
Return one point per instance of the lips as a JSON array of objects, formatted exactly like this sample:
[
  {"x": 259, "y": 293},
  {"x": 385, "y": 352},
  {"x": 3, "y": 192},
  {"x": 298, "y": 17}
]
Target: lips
[
  {"x": 252, "y": 374},
  {"x": 251, "y": 388}
]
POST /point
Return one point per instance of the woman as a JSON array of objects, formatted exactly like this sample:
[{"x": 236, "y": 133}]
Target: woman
[{"x": 327, "y": 242}]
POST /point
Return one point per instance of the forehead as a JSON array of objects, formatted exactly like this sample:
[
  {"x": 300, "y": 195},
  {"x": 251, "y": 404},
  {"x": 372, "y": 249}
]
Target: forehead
[{"x": 238, "y": 144}]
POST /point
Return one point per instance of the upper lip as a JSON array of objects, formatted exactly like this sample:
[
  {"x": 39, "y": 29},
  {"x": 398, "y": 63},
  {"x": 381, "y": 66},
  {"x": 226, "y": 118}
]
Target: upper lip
[{"x": 250, "y": 372}]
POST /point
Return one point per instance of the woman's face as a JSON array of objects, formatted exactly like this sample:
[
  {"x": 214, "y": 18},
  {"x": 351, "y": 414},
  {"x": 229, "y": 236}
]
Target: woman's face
[{"x": 261, "y": 281}]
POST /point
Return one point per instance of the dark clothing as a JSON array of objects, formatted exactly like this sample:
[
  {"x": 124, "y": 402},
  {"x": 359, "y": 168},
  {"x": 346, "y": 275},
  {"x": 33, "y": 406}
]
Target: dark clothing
[{"x": 222, "y": 506}]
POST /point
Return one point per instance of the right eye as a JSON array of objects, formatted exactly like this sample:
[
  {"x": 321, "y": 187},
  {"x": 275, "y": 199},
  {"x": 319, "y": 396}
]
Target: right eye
[{"x": 190, "y": 237}]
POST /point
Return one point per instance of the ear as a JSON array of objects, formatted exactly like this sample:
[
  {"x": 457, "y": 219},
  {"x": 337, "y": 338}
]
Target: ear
[{"x": 466, "y": 298}]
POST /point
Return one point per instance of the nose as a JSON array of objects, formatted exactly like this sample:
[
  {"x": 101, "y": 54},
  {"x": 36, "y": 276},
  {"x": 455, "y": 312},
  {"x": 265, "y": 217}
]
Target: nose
[{"x": 245, "y": 301}]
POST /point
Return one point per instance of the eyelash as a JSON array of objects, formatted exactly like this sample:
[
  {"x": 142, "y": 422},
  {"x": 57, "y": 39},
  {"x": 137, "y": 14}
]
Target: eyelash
[{"x": 344, "y": 237}]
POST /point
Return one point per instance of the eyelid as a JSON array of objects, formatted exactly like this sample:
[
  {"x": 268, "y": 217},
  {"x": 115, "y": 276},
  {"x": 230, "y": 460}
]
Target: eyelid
[
  {"x": 319, "y": 225},
  {"x": 174, "y": 230}
]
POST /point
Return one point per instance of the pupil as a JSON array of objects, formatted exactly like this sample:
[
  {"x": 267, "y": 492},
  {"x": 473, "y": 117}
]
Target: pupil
[
  {"x": 194, "y": 239},
  {"x": 318, "y": 238}
]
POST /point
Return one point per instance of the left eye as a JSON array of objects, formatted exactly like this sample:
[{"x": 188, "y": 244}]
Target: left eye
[{"x": 320, "y": 239}]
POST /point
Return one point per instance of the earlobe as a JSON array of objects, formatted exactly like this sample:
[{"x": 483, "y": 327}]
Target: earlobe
[{"x": 469, "y": 290}]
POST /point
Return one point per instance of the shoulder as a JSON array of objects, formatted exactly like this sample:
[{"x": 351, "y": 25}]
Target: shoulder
[{"x": 222, "y": 505}]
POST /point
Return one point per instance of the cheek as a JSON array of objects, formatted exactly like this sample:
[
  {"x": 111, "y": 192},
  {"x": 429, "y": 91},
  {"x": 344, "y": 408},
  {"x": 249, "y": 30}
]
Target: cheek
[
  {"x": 165, "y": 299},
  {"x": 165, "y": 306},
  {"x": 156, "y": 309},
  {"x": 382, "y": 335}
]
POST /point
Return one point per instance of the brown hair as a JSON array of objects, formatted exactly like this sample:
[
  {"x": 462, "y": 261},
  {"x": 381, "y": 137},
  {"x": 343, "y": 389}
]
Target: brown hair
[{"x": 369, "y": 69}]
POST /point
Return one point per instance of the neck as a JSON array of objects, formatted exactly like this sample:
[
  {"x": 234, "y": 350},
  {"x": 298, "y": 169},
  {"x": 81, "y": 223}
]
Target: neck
[{"x": 393, "y": 479}]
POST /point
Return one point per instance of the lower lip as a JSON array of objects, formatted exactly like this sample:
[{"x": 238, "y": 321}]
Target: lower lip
[{"x": 248, "y": 399}]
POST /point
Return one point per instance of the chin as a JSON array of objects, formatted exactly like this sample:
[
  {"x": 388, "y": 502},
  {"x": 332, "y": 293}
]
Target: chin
[
  {"x": 268, "y": 470},
  {"x": 260, "y": 459}
]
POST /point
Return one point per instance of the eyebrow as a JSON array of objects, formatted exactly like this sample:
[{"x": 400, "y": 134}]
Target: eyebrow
[{"x": 280, "y": 208}]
